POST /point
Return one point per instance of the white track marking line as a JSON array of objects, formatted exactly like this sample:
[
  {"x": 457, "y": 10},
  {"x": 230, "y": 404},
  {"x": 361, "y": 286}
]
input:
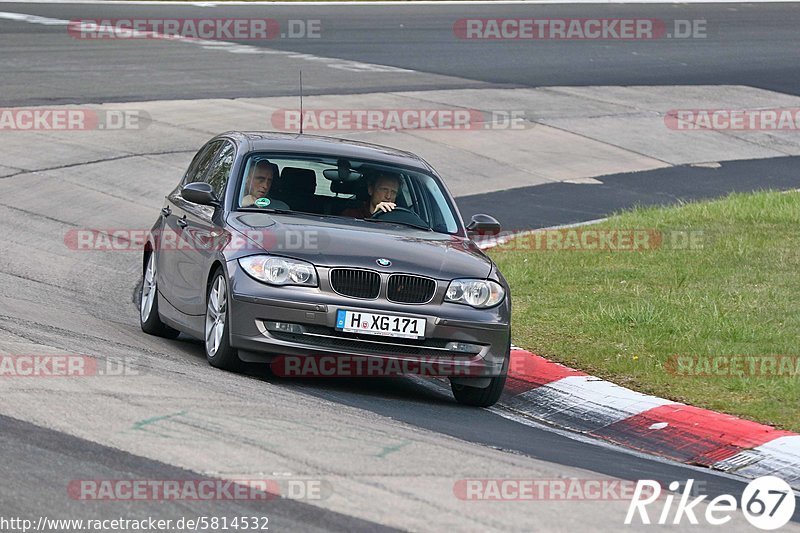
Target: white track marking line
[
  {"x": 233, "y": 48},
  {"x": 33, "y": 19},
  {"x": 490, "y": 242},
  {"x": 389, "y": 3}
]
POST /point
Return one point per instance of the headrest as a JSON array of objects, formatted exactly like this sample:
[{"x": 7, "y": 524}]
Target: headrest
[{"x": 298, "y": 180}]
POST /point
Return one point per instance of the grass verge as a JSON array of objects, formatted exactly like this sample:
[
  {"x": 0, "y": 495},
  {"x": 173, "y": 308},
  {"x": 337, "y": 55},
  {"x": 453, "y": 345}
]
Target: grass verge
[{"x": 665, "y": 320}]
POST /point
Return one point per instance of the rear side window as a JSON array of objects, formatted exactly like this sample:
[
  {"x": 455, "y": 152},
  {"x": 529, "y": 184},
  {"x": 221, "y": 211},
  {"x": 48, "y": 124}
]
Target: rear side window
[
  {"x": 201, "y": 162},
  {"x": 220, "y": 170}
]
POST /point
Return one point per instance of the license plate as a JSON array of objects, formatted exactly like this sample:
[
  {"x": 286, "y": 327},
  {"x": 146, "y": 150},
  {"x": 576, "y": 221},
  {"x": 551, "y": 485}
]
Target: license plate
[{"x": 384, "y": 325}]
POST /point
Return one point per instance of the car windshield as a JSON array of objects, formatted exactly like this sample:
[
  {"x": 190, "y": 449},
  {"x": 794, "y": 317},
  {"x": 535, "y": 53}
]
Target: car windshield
[{"x": 356, "y": 189}]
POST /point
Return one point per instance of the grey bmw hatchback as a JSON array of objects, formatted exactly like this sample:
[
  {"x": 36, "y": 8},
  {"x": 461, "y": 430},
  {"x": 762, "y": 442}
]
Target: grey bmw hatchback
[{"x": 281, "y": 245}]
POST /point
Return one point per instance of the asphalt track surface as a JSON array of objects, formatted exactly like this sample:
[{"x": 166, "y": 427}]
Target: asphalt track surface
[
  {"x": 31, "y": 451},
  {"x": 86, "y": 305},
  {"x": 745, "y": 44},
  {"x": 566, "y": 203}
]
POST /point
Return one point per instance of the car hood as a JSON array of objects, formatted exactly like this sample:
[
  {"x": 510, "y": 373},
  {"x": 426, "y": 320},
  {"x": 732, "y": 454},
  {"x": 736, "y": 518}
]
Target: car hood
[{"x": 337, "y": 242}]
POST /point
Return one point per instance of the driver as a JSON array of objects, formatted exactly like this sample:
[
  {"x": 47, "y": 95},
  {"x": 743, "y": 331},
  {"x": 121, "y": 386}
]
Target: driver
[
  {"x": 382, "y": 195},
  {"x": 259, "y": 182}
]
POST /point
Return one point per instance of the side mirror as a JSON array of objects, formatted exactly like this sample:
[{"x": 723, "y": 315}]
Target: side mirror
[
  {"x": 483, "y": 226},
  {"x": 200, "y": 193}
]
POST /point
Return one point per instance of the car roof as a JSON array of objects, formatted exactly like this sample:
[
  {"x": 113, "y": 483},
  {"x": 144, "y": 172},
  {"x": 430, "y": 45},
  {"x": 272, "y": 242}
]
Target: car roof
[{"x": 327, "y": 146}]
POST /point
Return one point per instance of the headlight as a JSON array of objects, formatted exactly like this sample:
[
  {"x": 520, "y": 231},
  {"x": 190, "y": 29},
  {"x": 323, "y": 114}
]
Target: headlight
[
  {"x": 279, "y": 270},
  {"x": 478, "y": 293}
]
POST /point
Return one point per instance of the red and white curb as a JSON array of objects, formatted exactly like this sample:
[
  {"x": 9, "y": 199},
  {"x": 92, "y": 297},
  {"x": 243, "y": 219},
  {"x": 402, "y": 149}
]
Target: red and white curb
[
  {"x": 570, "y": 399},
  {"x": 573, "y": 400}
]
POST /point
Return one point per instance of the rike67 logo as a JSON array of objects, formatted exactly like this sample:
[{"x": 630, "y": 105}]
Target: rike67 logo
[{"x": 767, "y": 503}]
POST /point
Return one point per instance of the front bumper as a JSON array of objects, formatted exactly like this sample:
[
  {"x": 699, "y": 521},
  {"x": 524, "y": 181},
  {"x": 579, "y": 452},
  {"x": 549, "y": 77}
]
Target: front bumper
[{"x": 312, "y": 312}]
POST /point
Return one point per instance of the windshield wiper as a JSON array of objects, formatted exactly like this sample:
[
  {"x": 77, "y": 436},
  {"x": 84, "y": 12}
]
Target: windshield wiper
[
  {"x": 409, "y": 224},
  {"x": 283, "y": 212},
  {"x": 268, "y": 210}
]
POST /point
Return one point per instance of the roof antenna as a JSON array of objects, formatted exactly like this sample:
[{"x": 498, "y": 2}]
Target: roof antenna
[{"x": 301, "y": 102}]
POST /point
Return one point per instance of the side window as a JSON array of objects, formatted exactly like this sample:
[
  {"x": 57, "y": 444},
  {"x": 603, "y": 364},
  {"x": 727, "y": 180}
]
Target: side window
[
  {"x": 201, "y": 162},
  {"x": 404, "y": 195},
  {"x": 220, "y": 170},
  {"x": 442, "y": 217}
]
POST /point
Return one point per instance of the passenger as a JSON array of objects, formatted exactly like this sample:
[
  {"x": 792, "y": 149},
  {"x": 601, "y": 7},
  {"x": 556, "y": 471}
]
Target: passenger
[
  {"x": 259, "y": 182},
  {"x": 382, "y": 195}
]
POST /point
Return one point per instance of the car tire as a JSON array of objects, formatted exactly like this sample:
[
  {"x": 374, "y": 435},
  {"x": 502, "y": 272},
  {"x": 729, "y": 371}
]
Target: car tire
[
  {"x": 482, "y": 396},
  {"x": 216, "y": 338},
  {"x": 149, "y": 319}
]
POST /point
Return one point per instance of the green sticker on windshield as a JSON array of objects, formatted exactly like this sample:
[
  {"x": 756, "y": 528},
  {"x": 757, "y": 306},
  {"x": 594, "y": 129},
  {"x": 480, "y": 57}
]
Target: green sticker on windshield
[{"x": 262, "y": 202}]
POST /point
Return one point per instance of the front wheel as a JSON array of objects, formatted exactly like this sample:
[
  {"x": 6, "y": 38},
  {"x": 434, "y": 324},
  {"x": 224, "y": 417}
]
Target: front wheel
[
  {"x": 483, "y": 396},
  {"x": 217, "y": 342},
  {"x": 149, "y": 319},
  {"x": 479, "y": 397}
]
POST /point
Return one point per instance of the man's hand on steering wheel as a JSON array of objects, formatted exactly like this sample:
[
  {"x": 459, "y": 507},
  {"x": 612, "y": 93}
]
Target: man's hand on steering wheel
[
  {"x": 396, "y": 209},
  {"x": 384, "y": 207}
]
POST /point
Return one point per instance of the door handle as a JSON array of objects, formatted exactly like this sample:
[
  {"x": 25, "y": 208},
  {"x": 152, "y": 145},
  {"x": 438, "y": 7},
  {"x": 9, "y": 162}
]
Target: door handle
[
  {"x": 166, "y": 211},
  {"x": 182, "y": 222}
]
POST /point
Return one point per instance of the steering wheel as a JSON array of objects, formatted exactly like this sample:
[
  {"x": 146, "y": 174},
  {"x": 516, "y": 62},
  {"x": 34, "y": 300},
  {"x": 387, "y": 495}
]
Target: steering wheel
[
  {"x": 397, "y": 209},
  {"x": 401, "y": 215}
]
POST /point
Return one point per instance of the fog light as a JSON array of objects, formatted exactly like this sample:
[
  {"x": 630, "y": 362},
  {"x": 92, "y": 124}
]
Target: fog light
[
  {"x": 463, "y": 347},
  {"x": 284, "y": 327}
]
